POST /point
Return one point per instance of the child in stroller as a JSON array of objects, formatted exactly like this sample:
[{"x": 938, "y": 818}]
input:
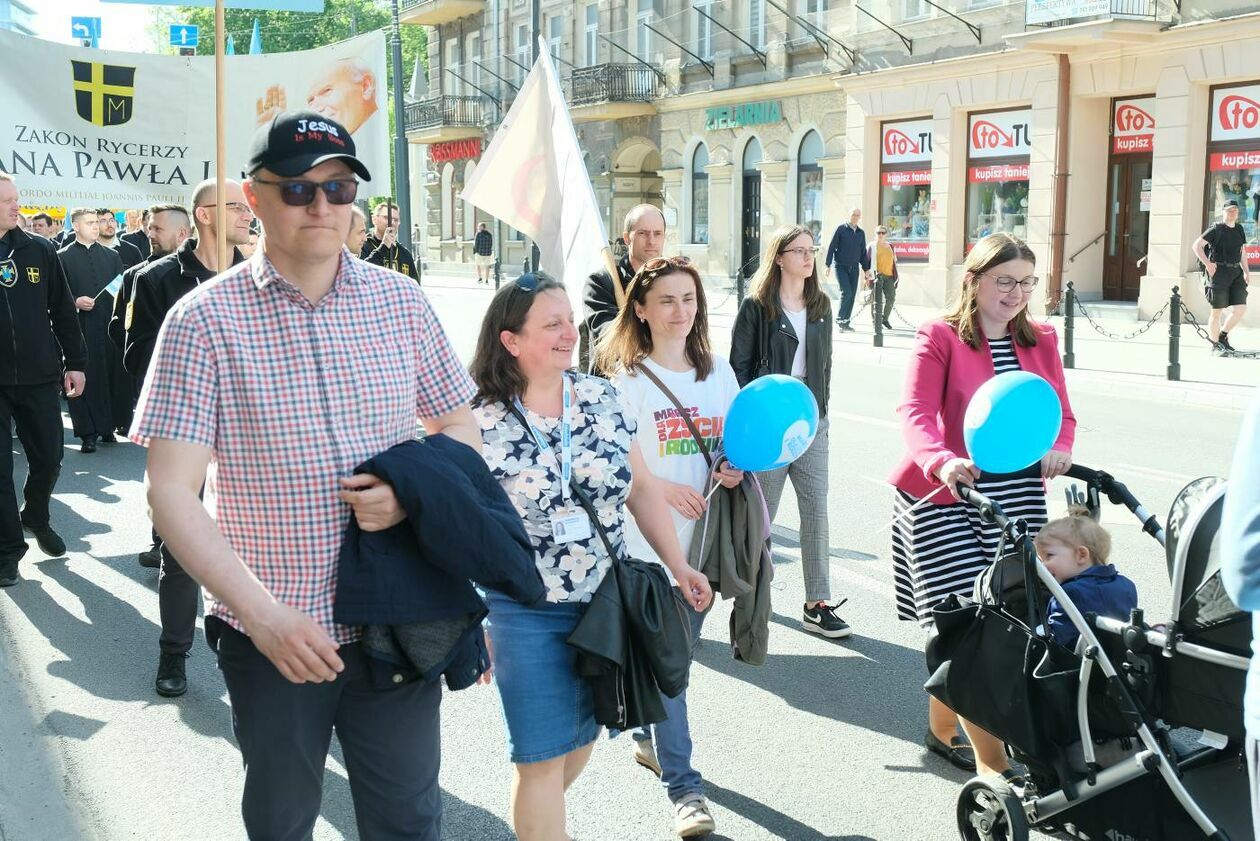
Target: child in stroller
[{"x": 1075, "y": 549}]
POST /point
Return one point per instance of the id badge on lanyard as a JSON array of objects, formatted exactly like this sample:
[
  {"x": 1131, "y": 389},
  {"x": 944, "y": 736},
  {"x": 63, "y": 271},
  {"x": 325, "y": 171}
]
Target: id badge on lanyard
[{"x": 570, "y": 523}]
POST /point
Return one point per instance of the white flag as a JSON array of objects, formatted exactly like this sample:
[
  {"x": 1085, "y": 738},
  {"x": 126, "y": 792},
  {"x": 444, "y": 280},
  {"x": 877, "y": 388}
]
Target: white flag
[
  {"x": 532, "y": 177},
  {"x": 419, "y": 84}
]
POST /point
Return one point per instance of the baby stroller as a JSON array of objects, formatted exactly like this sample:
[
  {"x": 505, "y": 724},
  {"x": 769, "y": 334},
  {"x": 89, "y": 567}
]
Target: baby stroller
[{"x": 1137, "y": 735}]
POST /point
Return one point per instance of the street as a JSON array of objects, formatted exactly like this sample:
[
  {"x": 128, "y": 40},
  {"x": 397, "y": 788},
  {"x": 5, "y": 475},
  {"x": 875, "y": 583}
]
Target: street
[{"x": 822, "y": 742}]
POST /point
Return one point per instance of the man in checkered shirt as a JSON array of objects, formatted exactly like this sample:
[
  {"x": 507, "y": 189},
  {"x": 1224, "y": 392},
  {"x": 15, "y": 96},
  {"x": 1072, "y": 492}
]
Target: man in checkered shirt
[{"x": 270, "y": 383}]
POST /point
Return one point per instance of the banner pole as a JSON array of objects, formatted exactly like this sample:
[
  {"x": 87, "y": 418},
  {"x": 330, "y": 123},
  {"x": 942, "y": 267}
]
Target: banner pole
[{"x": 220, "y": 136}]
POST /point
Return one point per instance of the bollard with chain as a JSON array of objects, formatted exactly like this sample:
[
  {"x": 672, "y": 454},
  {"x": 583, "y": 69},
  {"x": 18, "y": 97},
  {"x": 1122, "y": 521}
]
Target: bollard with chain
[
  {"x": 1069, "y": 326},
  {"x": 877, "y": 308},
  {"x": 1174, "y": 335}
]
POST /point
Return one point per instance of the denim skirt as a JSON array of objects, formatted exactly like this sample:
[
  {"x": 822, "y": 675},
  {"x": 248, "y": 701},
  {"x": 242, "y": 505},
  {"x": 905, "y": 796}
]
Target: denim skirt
[{"x": 548, "y": 709}]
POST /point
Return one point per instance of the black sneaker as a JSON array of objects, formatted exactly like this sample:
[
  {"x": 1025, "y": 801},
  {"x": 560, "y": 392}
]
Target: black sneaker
[
  {"x": 172, "y": 680},
  {"x": 887, "y": 326},
  {"x": 824, "y": 621},
  {"x": 48, "y": 541},
  {"x": 1223, "y": 341},
  {"x": 88, "y": 445},
  {"x": 150, "y": 558}
]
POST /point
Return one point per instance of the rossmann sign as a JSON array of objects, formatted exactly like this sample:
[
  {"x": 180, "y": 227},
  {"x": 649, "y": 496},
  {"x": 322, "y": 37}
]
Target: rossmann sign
[
  {"x": 1001, "y": 134},
  {"x": 1236, "y": 113},
  {"x": 1132, "y": 126},
  {"x": 906, "y": 142}
]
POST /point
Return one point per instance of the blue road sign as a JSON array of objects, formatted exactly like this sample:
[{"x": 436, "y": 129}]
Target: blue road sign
[
  {"x": 87, "y": 29},
  {"x": 184, "y": 35},
  {"x": 274, "y": 5}
]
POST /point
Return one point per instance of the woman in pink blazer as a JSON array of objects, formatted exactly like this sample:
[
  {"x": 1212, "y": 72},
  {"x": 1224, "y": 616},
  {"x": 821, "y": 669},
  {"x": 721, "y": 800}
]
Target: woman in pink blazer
[{"x": 940, "y": 548}]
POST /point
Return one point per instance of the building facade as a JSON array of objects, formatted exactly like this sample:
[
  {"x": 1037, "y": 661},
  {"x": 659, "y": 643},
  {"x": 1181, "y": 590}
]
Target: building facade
[
  {"x": 1104, "y": 132},
  {"x": 17, "y": 16}
]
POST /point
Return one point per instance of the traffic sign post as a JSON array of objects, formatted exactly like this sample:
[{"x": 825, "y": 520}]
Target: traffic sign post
[
  {"x": 184, "y": 35},
  {"x": 87, "y": 30}
]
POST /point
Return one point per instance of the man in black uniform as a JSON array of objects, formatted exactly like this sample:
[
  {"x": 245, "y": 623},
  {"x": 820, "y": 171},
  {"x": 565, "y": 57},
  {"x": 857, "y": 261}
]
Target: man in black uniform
[
  {"x": 157, "y": 288},
  {"x": 140, "y": 236},
  {"x": 382, "y": 246},
  {"x": 45, "y": 353},
  {"x": 1220, "y": 249},
  {"x": 122, "y": 386},
  {"x": 645, "y": 238},
  {"x": 90, "y": 268}
]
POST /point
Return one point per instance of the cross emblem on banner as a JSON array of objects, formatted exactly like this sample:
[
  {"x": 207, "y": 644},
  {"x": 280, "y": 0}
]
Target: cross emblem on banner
[{"x": 103, "y": 93}]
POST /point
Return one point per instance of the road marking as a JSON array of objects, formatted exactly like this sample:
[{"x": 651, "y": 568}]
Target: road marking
[
  {"x": 881, "y": 422},
  {"x": 1153, "y": 473}
]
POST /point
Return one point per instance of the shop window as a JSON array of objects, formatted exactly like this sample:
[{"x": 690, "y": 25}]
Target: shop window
[
  {"x": 905, "y": 186},
  {"x": 809, "y": 185},
  {"x": 1234, "y": 161},
  {"x": 997, "y": 174},
  {"x": 700, "y": 196}
]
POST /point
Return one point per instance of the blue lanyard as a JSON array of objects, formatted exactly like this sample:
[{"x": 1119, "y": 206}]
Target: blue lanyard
[{"x": 566, "y": 438}]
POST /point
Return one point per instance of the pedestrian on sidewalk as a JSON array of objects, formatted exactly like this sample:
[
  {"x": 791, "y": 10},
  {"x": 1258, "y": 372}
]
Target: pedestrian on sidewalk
[
  {"x": 158, "y": 288},
  {"x": 483, "y": 253},
  {"x": 284, "y": 432},
  {"x": 849, "y": 254},
  {"x": 547, "y": 429},
  {"x": 784, "y": 327},
  {"x": 883, "y": 260},
  {"x": 938, "y": 550},
  {"x": 44, "y": 353},
  {"x": 90, "y": 268},
  {"x": 659, "y": 355},
  {"x": 1222, "y": 250},
  {"x": 645, "y": 237}
]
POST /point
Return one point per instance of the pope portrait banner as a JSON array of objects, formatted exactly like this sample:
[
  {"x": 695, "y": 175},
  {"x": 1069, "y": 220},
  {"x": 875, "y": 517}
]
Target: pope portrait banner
[{"x": 104, "y": 128}]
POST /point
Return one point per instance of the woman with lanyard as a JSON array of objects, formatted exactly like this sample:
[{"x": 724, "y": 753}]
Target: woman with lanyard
[
  {"x": 940, "y": 545},
  {"x": 542, "y": 426},
  {"x": 784, "y": 327},
  {"x": 678, "y": 393}
]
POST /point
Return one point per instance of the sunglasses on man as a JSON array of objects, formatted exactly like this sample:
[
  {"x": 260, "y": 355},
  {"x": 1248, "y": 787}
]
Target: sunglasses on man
[{"x": 301, "y": 193}]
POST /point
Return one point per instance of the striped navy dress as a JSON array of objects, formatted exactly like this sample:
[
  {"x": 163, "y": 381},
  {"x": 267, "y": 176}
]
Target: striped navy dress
[{"x": 940, "y": 549}]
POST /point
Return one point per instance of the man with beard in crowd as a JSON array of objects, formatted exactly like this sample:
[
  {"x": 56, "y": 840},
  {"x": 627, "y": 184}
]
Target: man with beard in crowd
[
  {"x": 91, "y": 268},
  {"x": 107, "y": 226},
  {"x": 158, "y": 287},
  {"x": 43, "y": 354},
  {"x": 168, "y": 226},
  {"x": 382, "y": 248}
]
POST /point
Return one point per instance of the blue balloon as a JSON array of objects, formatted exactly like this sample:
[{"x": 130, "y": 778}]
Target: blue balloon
[
  {"x": 771, "y": 422},
  {"x": 1011, "y": 422}
]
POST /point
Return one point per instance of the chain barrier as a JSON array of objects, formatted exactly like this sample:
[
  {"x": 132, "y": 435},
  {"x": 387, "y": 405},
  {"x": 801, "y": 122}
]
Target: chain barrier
[
  {"x": 1189, "y": 318},
  {"x": 1105, "y": 333}
]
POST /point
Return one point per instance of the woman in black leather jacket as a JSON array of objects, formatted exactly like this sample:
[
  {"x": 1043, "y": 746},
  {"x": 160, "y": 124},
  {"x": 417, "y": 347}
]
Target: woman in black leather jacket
[{"x": 785, "y": 301}]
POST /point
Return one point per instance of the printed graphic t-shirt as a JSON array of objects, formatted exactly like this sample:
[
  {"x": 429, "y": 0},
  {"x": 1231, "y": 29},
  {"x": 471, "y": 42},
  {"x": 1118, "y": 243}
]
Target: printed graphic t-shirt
[{"x": 670, "y": 451}]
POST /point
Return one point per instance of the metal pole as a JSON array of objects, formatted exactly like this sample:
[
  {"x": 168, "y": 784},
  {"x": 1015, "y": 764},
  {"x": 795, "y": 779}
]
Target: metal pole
[
  {"x": 535, "y": 29},
  {"x": 402, "y": 167},
  {"x": 1174, "y": 335},
  {"x": 1069, "y": 326},
  {"x": 220, "y": 139},
  {"x": 877, "y": 310}
]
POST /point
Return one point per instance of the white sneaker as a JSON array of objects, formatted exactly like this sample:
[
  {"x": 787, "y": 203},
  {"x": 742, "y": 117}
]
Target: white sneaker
[
  {"x": 645, "y": 755},
  {"x": 692, "y": 817}
]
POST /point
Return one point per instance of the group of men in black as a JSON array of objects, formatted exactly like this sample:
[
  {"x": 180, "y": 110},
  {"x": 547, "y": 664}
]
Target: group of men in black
[{"x": 83, "y": 308}]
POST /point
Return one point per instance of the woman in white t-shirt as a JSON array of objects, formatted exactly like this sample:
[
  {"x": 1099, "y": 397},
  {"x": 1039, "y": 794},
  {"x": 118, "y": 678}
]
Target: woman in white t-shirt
[{"x": 659, "y": 343}]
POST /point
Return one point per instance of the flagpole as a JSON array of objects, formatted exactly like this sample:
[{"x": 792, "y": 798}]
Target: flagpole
[{"x": 220, "y": 136}]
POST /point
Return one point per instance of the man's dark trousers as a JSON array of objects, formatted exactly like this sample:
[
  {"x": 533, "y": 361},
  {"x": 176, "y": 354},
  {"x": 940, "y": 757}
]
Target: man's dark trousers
[
  {"x": 390, "y": 739},
  {"x": 177, "y": 605},
  {"x": 847, "y": 277},
  {"x": 36, "y": 412}
]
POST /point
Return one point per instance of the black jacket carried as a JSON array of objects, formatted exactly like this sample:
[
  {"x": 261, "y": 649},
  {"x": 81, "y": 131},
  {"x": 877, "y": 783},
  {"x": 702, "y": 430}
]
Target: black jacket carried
[
  {"x": 599, "y": 309},
  {"x": 40, "y": 336},
  {"x": 410, "y": 585},
  {"x": 395, "y": 258},
  {"x": 760, "y": 345},
  {"x": 157, "y": 287}
]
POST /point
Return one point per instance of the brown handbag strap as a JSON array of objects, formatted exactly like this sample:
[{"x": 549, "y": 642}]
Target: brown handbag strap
[{"x": 686, "y": 416}]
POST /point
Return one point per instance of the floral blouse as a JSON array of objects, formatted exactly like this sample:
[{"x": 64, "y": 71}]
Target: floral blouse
[{"x": 601, "y": 437}]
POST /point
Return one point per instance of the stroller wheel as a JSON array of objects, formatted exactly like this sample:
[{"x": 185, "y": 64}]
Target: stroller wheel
[{"x": 990, "y": 810}]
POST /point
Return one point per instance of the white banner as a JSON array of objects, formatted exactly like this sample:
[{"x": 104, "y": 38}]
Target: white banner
[
  {"x": 1052, "y": 11},
  {"x": 106, "y": 128},
  {"x": 1236, "y": 113},
  {"x": 1000, "y": 134}
]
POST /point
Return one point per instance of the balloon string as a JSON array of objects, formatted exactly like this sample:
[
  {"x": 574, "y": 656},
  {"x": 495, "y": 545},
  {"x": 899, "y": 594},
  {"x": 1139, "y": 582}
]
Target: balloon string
[{"x": 912, "y": 509}]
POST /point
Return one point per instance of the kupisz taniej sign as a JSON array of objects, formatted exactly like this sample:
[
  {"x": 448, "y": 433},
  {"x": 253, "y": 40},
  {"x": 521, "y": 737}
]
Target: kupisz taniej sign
[
  {"x": 746, "y": 114},
  {"x": 114, "y": 129}
]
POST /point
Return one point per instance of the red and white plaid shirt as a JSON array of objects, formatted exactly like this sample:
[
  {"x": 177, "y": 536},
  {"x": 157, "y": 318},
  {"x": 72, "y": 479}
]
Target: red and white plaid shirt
[{"x": 292, "y": 396}]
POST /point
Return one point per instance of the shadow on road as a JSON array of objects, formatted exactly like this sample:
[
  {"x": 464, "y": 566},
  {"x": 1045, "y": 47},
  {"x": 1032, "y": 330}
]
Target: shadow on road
[{"x": 784, "y": 826}]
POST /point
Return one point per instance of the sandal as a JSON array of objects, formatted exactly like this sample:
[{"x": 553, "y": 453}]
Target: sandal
[{"x": 958, "y": 752}]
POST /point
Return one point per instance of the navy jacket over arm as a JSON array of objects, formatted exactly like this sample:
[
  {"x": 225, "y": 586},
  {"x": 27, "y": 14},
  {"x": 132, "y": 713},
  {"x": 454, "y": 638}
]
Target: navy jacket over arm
[{"x": 460, "y": 528}]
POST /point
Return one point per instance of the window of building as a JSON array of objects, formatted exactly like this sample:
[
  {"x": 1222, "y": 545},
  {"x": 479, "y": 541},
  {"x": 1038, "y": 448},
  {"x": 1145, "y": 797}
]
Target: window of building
[
  {"x": 448, "y": 201},
  {"x": 470, "y": 212},
  {"x": 998, "y": 149},
  {"x": 523, "y": 52},
  {"x": 700, "y": 195},
  {"x": 905, "y": 186},
  {"x": 704, "y": 28},
  {"x": 809, "y": 185},
  {"x": 555, "y": 36},
  {"x": 914, "y": 9},
  {"x": 1233, "y": 170},
  {"x": 453, "y": 84},
  {"x": 474, "y": 62},
  {"x": 757, "y": 23},
  {"x": 643, "y": 35},
  {"x": 591, "y": 55},
  {"x": 816, "y": 12}
]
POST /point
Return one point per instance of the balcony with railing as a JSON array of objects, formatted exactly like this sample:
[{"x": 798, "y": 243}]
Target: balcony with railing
[
  {"x": 443, "y": 118},
  {"x": 1056, "y": 25},
  {"x": 435, "y": 12},
  {"x": 613, "y": 91}
]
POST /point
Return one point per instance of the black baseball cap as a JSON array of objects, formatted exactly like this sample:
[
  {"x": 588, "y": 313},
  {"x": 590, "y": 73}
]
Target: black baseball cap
[
  {"x": 293, "y": 142},
  {"x": 1229, "y": 204}
]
